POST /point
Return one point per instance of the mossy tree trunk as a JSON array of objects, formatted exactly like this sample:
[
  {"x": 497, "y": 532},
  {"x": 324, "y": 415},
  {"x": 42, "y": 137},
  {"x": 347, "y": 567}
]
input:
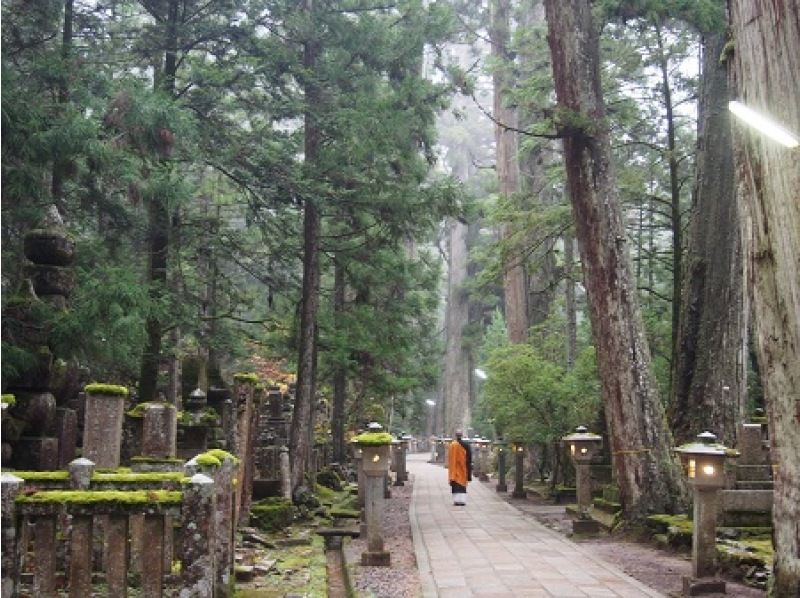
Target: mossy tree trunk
[
  {"x": 647, "y": 472},
  {"x": 765, "y": 74}
]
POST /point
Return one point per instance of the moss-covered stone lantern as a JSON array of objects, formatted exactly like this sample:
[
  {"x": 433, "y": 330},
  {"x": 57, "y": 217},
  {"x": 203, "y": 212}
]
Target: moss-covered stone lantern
[
  {"x": 502, "y": 448},
  {"x": 704, "y": 464},
  {"x": 583, "y": 445},
  {"x": 374, "y": 446}
]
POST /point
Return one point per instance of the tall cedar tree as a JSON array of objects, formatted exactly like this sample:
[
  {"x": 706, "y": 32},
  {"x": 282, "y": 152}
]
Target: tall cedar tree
[
  {"x": 647, "y": 472},
  {"x": 765, "y": 73}
]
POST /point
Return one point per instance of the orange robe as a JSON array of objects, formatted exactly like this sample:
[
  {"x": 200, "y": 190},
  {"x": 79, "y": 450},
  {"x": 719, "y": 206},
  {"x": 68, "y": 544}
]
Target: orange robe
[{"x": 458, "y": 465}]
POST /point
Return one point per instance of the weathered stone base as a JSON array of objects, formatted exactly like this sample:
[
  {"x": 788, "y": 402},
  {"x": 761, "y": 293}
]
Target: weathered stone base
[
  {"x": 36, "y": 453},
  {"x": 705, "y": 585},
  {"x": 375, "y": 559},
  {"x": 585, "y": 526}
]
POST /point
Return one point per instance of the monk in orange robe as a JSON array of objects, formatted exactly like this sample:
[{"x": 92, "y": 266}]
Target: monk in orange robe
[{"x": 459, "y": 468}]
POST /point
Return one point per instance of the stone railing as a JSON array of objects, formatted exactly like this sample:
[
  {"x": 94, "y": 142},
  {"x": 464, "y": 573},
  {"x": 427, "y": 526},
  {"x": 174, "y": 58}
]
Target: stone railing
[{"x": 172, "y": 532}]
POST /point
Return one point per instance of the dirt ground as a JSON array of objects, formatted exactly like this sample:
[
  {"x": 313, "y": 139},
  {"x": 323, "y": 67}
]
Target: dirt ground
[{"x": 658, "y": 569}]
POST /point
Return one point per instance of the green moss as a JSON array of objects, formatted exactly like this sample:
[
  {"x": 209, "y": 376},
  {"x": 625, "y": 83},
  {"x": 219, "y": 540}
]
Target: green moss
[
  {"x": 139, "y": 478},
  {"x": 726, "y": 52},
  {"x": 156, "y": 460},
  {"x": 90, "y": 497},
  {"x": 246, "y": 377},
  {"x": 140, "y": 408},
  {"x": 272, "y": 514},
  {"x": 373, "y": 438},
  {"x": 344, "y": 513},
  {"x": 222, "y": 455},
  {"x": 41, "y": 476},
  {"x": 207, "y": 460},
  {"x": 9, "y": 400},
  {"x": 206, "y": 417},
  {"x": 112, "y": 390}
]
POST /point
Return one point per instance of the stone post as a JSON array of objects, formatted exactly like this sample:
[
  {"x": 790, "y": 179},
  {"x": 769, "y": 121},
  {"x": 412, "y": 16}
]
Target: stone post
[
  {"x": 519, "y": 472},
  {"x": 159, "y": 431},
  {"x": 399, "y": 459},
  {"x": 751, "y": 445},
  {"x": 117, "y": 553},
  {"x": 483, "y": 474},
  {"x": 102, "y": 428},
  {"x": 375, "y": 463},
  {"x": 80, "y": 563},
  {"x": 286, "y": 473},
  {"x": 198, "y": 510},
  {"x": 80, "y": 474},
  {"x": 501, "y": 469},
  {"x": 11, "y": 486},
  {"x": 44, "y": 563},
  {"x": 153, "y": 556},
  {"x": 67, "y": 429}
]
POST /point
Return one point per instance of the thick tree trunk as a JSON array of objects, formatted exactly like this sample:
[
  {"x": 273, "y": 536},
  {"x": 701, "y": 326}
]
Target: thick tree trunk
[
  {"x": 507, "y": 161},
  {"x": 647, "y": 472},
  {"x": 766, "y": 77},
  {"x": 456, "y": 383},
  {"x": 709, "y": 381},
  {"x": 302, "y": 417}
]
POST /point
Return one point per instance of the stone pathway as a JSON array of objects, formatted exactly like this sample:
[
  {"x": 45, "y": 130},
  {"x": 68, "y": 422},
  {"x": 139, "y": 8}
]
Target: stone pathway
[{"x": 488, "y": 548}]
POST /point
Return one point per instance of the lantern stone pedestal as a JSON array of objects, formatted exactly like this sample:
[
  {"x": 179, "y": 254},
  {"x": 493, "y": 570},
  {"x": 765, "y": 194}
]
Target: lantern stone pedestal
[{"x": 375, "y": 464}]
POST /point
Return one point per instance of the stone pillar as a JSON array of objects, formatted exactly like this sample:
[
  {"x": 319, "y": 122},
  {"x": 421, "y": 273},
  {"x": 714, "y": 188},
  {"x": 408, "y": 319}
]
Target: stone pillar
[
  {"x": 583, "y": 486},
  {"x": 286, "y": 473},
  {"x": 704, "y": 539},
  {"x": 159, "y": 431},
  {"x": 198, "y": 509},
  {"x": 117, "y": 552},
  {"x": 751, "y": 446},
  {"x": 80, "y": 474},
  {"x": 67, "y": 430},
  {"x": 102, "y": 428},
  {"x": 519, "y": 473},
  {"x": 80, "y": 562},
  {"x": 375, "y": 463},
  {"x": 399, "y": 460},
  {"x": 501, "y": 470},
  {"x": 9, "y": 566},
  {"x": 44, "y": 561},
  {"x": 153, "y": 556},
  {"x": 483, "y": 474}
]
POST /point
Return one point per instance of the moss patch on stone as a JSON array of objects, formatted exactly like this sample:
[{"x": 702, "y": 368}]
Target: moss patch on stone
[
  {"x": 221, "y": 455},
  {"x": 207, "y": 460},
  {"x": 139, "y": 478},
  {"x": 111, "y": 390},
  {"x": 675, "y": 530},
  {"x": 139, "y": 409},
  {"x": 90, "y": 497},
  {"x": 373, "y": 439},
  {"x": 246, "y": 377},
  {"x": 206, "y": 417},
  {"x": 272, "y": 514},
  {"x": 9, "y": 400}
]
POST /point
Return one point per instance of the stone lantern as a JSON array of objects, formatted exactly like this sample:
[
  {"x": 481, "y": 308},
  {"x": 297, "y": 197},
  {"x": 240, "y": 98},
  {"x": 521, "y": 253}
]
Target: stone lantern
[
  {"x": 704, "y": 464},
  {"x": 374, "y": 447},
  {"x": 583, "y": 446},
  {"x": 501, "y": 465}
]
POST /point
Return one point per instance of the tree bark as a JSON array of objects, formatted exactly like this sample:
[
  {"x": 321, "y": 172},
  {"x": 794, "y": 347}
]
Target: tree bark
[
  {"x": 766, "y": 76},
  {"x": 709, "y": 389},
  {"x": 647, "y": 472},
  {"x": 507, "y": 161},
  {"x": 339, "y": 374},
  {"x": 456, "y": 383},
  {"x": 570, "y": 304},
  {"x": 302, "y": 417}
]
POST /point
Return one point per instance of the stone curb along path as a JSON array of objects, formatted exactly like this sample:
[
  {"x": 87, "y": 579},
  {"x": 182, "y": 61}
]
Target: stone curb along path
[{"x": 488, "y": 548}]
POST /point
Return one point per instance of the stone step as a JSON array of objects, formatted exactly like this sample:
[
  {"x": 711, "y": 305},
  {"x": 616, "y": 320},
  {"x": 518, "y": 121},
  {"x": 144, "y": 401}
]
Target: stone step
[
  {"x": 753, "y": 473},
  {"x": 607, "y": 506},
  {"x": 754, "y": 485},
  {"x": 605, "y": 519}
]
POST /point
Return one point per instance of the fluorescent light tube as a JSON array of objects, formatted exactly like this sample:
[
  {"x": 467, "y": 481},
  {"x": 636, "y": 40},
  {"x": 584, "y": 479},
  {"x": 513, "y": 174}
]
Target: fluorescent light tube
[{"x": 763, "y": 124}]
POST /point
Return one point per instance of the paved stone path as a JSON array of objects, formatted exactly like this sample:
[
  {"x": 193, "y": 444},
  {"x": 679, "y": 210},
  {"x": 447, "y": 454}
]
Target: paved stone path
[{"x": 489, "y": 549}]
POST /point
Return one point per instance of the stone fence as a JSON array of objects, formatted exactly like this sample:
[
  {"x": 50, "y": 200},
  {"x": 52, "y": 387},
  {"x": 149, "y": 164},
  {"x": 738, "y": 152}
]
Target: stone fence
[{"x": 85, "y": 533}]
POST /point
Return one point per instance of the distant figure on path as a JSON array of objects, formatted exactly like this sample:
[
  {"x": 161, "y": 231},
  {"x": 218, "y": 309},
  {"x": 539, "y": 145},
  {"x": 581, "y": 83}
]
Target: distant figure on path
[{"x": 459, "y": 468}]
